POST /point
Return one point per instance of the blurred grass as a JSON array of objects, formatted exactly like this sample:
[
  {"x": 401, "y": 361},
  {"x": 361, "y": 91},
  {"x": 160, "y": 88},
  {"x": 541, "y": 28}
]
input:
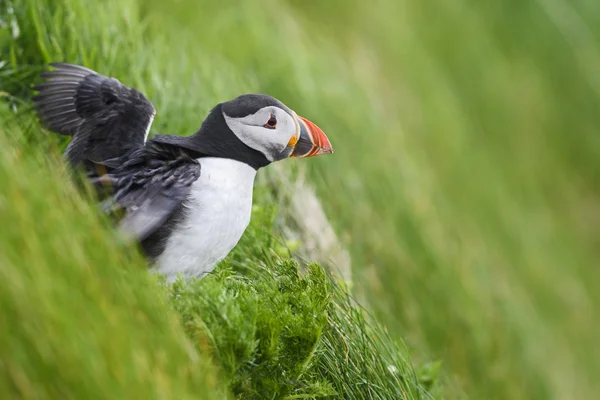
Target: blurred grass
[
  {"x": 481, "y": 219},
  {"x": 465, "y": 178}
]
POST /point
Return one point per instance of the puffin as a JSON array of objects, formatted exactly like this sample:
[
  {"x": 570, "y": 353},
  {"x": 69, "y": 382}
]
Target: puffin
[{"x": 186, "y": 200}]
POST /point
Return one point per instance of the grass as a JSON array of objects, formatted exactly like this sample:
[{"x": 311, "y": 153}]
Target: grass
[
  {"x": 257, "y": 328},
  {"x": 81, "y": 317},
  {"x": 464, "y": 181},
  {"x": 477, "y": 234}
]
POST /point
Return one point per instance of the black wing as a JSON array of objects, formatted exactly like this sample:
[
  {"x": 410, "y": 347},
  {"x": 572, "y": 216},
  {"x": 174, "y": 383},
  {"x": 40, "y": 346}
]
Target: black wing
[
  {"x": 106, "y": 119},
  {"x": 149, "y": 187}
]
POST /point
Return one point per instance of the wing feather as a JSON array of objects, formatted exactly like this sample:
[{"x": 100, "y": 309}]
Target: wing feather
[
  {"x": 106, "y": 119},
  {"x": 149, "y": 187}
]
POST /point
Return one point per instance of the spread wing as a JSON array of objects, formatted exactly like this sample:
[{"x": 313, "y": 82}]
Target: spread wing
[
  {"x": 106, "y": 119},
  {"x": 149, "y": 187}
]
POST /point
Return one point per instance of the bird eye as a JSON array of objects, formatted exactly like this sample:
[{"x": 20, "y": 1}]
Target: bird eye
[{"x": 271, "y": 123}]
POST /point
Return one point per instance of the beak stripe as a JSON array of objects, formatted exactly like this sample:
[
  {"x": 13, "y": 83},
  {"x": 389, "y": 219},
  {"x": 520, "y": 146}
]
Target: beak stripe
[{"x": 293, "y": 140}]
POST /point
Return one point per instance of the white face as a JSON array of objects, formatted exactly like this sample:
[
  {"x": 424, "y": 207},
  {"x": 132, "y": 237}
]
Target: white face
[{"x": 269, "y": 131}]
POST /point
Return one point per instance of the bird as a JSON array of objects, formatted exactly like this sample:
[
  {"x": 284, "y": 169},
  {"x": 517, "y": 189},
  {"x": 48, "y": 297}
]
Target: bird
[{"x": 186, "y": 200}]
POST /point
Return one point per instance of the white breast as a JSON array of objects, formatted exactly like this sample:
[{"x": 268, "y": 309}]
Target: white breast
[{"x": 217, "y": 215}]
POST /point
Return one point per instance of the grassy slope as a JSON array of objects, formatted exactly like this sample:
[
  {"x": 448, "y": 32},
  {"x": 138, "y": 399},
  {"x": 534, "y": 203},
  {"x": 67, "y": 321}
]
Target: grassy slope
[
  {"x": 466, "y": 167},
  {"x": 80, "y": 320},
  {"x": 269, "y": 330}
]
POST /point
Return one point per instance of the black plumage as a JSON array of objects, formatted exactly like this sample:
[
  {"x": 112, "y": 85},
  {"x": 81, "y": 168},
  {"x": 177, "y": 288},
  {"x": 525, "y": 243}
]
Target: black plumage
[
  {"x": 149, "y": 186},
  {"x": 105, "y": 118},
  {"x": 247, "y": 104}
]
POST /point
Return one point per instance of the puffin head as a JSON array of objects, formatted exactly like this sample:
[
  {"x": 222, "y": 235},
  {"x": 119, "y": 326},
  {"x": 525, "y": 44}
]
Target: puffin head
[
  {"x": 265, "y": 124},
  {"x": 258, "y": 129}
]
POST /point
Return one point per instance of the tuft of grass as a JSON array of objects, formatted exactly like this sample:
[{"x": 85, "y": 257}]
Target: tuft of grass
[
  {"x": 264, "y": 327},
  {"x": 281, "y": 331}
]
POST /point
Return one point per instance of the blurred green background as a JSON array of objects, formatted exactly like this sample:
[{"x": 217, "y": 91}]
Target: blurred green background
[{"x": 465, "y": 180}]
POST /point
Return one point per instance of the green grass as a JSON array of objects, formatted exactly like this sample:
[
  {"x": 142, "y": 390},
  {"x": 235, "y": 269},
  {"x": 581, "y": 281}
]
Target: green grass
[
  {"x": 81, "y": 317},
  {"x": 476, "y": 171},
  {"x": 257, "y": 328},
  {"x": 465, "y": 178}
]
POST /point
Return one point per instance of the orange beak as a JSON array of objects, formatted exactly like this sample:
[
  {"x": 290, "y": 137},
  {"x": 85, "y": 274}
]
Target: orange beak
[{"x": 311, "y": 140}]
